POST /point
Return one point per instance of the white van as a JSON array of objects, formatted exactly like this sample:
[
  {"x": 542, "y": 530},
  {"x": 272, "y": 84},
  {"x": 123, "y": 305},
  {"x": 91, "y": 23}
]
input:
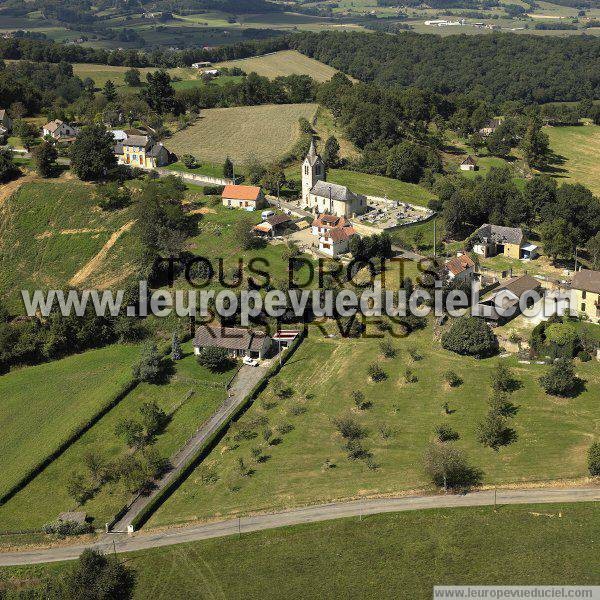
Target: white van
[{"x": 266, "y": 214}]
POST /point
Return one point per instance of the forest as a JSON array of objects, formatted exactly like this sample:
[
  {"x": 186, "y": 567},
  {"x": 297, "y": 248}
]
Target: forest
[{"x": 496, "y": 68}]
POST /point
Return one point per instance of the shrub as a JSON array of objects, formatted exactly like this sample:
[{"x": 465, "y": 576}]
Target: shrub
[
  {"x": 215, "y": 359},
  {"x": 493, "y": 431},
  {"x": 594, "y": 459},
  {"x": 503, "y": 379},
  {"x": 112, "y": 197},
  {"x": 356, "y": 451},
  {"x": 67, "y": 528},
  {"x": 470, "y": 336},
  {"x": 415, "y": 354},
  {"x": 387, "y": 349},
  {"x": 285, "y": 428},
  {"x": 448, "y": 468},
  {"x": 410, "y": 376},
  {"x": 189, "y": 161},
  {"x": 452, "y": 379},
  {"x": 281, "y": 390},
  {"x": 385, "y": 431},
  {"x": 213, "y": 190},
  {"x": 376, "y": 373},
  {"x": 131, "y": 431},
  {"x": 297, "y": 410},
  {"x": 154, "y": 418},
  {"x": 445, "y": 433},
  {"x": 359, "y": 400},
  {"x": 560, "y": 380},
  {"x": 349, "y": 428},
  {"x": 584, "y": 356}
]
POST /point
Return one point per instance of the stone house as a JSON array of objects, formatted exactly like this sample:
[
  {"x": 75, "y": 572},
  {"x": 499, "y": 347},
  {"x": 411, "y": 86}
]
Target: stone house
[
  {"x": 585, "y": 294},
  {"x": 248, "y": 197}
]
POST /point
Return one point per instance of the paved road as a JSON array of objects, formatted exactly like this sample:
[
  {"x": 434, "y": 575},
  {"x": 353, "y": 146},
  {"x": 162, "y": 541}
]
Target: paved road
[
  {"x": 311, "y": 514},
  {"x": 243, "y": 383}
]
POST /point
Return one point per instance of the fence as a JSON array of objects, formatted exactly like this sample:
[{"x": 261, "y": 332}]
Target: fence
[
  {"x": 206, "y": 448},
  {"x": 202, "y": 179}
]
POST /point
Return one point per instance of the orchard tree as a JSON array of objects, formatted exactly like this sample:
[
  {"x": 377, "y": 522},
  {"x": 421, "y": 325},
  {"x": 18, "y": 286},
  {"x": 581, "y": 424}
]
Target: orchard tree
[
  {"x": 92, "y": 153},
  {"x": 448, "y": 468},
  {"x": 150, "y": 366},
  {"x": 470, "y": 336},
  {"x": 560, "y": 380},
  {"x": 493, "y": 431},
  {"x": 594, "y": 459},
  {"x": 44, "y": 157}
]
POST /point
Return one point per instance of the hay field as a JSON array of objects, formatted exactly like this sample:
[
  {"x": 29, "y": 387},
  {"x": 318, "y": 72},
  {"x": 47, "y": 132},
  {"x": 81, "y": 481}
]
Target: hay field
[
  {"x": 267, "y": 132},
  {"x": 286, "y": 62},
  {"x": 580, "y": 147}
]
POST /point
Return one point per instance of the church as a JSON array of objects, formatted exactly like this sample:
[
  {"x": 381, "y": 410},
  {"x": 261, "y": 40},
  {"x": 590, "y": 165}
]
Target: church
[{"x": 320, "y": 197}]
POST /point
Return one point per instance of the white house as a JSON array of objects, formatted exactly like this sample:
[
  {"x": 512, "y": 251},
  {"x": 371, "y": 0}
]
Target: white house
[
  {"x": 248, "y": 197},
  {"x": 460, "y": 268},
  {"x": 201, "y": 65},
  {"x": 141, "y": 151},
  {"x": 324, "y": 223},
  {"x": 60, "y": 131},
  {"x": 468, "y": 164},
  {"x": 336, "y": 241}
]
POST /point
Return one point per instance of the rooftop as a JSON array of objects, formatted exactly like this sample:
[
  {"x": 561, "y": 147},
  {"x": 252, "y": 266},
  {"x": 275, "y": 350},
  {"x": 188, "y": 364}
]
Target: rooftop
[
  {"x": 458, "y": 264},
  {"x": 499, "y": 234},
  {"x": 586, "y": 280},
  {"x": 231, "y": 338},
  {"x": 241, "y": 192},
  {"x": 340, "y": 193}
]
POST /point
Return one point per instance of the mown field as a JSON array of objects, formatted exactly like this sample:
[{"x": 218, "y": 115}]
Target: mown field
[
  {"x": 40, "y": 406},
  {"x": 266, "y": 132},
  {"x": 399, "y": 555},
  {"x": 553, "y": 434},
  {"x": 578, "y": 149},
  {"x": 286, "y": 62},
  {"x": 190, "y": 397},
  {"x": 49, "y": 230}
]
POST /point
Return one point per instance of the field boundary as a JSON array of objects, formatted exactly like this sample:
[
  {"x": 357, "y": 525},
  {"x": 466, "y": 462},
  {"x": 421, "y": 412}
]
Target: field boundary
[{"x": 147, "y": 511}]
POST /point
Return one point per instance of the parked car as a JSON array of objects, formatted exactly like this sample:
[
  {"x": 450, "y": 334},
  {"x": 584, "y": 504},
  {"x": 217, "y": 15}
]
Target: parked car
[
  {"x": 251, "y": 362},
  {"x": 266, "y": 214}
]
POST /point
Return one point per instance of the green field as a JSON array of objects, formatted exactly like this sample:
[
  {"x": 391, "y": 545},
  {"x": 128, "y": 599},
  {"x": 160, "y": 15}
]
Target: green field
[
  {"x": 42, "y": 405},
  {"x": 46, "y": 496},
  {"x": 266, "y": 132},
  {"x": 286, "y": 62},
  {"x": 217, "y": 240},
  {"x": 553, "y": 434},
  {"x": 396, "y": 556},
  {"x": 579, "y": 148},
  {"x": 49, "y": 230}
]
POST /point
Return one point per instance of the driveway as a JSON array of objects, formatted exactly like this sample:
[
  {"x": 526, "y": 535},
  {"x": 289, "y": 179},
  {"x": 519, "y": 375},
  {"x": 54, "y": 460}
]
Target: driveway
[
  {"x": 311, "y": 514},
  {"x": 245, "y": 380}
]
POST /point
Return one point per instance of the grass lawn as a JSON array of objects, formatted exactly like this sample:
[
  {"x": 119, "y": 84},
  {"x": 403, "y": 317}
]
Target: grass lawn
[
  {"x": 217, "y": 240},
  {"x": 398, "y": 555},
  {"x": 286, "y": 62},
  {"x": 51, "y": 229},
  {"x": 267, "y": 132},
  {"x": 40, "y": 406},
  {"x": 579, "y": 146},
  {"x": 210, "y": 169},
  {"x": 553, "y": 434},
  {"x": 46, "y": 495}
]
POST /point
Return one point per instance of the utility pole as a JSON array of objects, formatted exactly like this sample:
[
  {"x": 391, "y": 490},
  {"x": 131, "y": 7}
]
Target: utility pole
[
  {"x": 495, "y": 498},
  {"x": 434, "y": 238}
]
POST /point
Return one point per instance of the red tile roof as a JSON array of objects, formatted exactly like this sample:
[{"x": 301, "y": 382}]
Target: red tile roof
[
  {"x": 458, "y": 264},
  {"x": 241, "y": 192},
  {"x": 339, "y": 234}
]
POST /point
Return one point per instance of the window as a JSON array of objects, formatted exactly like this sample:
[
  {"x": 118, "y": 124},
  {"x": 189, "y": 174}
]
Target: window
[
  {"x": 583, "y": 295},
  {"x": 306, "y": 169},
  {"x": 583, "y": 307}
]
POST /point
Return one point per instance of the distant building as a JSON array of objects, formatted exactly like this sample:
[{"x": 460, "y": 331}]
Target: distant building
[
  {"x": 324, "y": 223},
  {"x": 201, "y": 65},
  {"x": 336, "y": 200},
  {"x": 60, "y": 131},
  {"x": 468, "y": 164},
  {"x": 142, "y": 151},
  {"x": 491, "y": 240},
  {"x": 460, "y": 268},
  {"x": 585, "y": 294},
  {"x": 236, "y": 340},
  {"x": 249, "y": 197}
]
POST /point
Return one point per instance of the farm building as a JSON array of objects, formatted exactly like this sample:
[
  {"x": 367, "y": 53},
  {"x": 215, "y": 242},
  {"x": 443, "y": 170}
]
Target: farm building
[
  {"x": 323, "y": 223},
  {"x": 490, "y": 127},
  {"x": 491, "y": 240},
  {"x": 248, "y": 197},
  {"x": 469, "y": 164},
  {"x": 236, "y": 340},
  {"x": 502, "y": 305},
  {"x": 274, "y": 225}
]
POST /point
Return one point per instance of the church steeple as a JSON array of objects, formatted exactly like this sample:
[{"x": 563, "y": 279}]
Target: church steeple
[{"x": 313, "y": 170}]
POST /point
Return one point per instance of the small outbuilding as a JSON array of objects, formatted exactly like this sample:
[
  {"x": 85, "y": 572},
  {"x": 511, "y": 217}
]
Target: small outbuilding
[
  {"x": 274, "y": 225},
  {"x": 469, "y": 164}
]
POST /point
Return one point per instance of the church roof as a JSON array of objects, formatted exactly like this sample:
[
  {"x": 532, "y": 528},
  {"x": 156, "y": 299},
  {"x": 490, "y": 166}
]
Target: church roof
[
  {"x": 312, "y": 157},
  {"x": 337, "y": 192}
]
